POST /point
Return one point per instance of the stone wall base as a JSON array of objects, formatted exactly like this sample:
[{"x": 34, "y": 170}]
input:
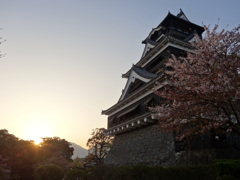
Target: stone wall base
[
  {"x": 149, "y": 146},
  {"x": 142, "y": 146}
]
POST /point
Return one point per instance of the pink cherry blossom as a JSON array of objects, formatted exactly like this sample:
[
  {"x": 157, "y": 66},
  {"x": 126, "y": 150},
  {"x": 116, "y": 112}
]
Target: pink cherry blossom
[{"x": 203, "y": 92}]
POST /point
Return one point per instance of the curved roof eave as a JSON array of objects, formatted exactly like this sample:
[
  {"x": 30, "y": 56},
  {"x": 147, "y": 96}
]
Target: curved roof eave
[{"x": 130, "y": 98}]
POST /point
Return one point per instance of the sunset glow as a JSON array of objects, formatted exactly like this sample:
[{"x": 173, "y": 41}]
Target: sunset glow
[
  {"x": 36, "y": 130},
  {"x": 64, "y": 61},
  {"x": 37, "y": 141}
]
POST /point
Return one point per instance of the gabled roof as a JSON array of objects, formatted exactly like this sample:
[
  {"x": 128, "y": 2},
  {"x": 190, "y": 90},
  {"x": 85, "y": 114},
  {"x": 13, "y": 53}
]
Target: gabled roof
[
  {"x": 137, "y": 73},
  {"x": 166, "y": 42},
  {"x": 181, "y": 18},
  {"x": 150, "y": 34},
  {"x": 137, "y": 95}
]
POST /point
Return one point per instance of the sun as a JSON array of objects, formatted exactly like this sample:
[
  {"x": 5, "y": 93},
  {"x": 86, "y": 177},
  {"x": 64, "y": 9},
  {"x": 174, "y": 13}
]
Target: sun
[
  {"x": 37, "y": 141},
  {"x": 36, "y": 136},
  {"x": 35, "y": 133}
]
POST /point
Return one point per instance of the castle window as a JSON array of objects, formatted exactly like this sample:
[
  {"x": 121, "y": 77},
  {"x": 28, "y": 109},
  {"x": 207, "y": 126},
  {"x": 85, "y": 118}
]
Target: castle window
[
  {"x": 154, "y": 36},
  {"x": 178, "y": 29}
]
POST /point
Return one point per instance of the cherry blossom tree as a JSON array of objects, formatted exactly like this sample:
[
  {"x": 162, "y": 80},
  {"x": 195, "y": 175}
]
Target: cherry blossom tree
[
  {"x": 203, "y": 89},
  {"x": 2, "y": 41}
]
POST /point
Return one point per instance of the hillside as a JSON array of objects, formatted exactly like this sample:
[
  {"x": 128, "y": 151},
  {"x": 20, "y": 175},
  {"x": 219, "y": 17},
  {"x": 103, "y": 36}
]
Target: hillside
[{"x": 78, "y": 151}]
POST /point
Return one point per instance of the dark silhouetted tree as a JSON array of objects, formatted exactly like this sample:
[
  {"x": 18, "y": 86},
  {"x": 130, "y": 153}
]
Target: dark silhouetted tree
[
  {"x": 18, "y": 158},
  {"x": 25, "y": 156},
  {"x": 56, "y": 147},
  {"x": 99, "y": 145}
]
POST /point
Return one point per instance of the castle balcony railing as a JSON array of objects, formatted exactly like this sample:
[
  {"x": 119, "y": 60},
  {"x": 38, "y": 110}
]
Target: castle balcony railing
[{"x": 140, "y": 121}]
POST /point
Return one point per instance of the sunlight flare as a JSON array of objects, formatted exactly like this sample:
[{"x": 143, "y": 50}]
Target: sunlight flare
[
  {"x": 37, "y": 141},
  {"x": 36, "y": 130}
]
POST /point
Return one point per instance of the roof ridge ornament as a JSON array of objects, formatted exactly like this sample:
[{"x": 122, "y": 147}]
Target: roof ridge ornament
[{"x": 182, "y": 15}]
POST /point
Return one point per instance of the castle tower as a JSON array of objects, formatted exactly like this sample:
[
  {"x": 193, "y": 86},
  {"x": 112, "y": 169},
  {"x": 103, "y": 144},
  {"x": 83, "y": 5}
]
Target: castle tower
[{"x": 137, "y": 139}]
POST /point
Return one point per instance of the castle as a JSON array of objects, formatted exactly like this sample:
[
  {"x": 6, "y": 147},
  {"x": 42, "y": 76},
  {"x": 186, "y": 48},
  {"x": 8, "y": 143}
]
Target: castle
[{"x": 137, "y": 139}]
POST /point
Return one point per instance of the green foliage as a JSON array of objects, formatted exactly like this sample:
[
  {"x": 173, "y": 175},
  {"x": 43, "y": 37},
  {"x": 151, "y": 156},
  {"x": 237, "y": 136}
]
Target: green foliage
[
  {"x": 3, "y": 174},
  {"x": 19, "y": 157},
  {"x": 77, "y": 173},
  {"x": 48, "y": 172},
  {"x": 227, "y": 168},
  {"x": 25, "y": 156},
  {"x": 227, "y": 177},
  {"x": 104, "y": 172},
  {"x": 56, "y": 147},
  {"x": 78, "y": 162},
  {"x": 140, "y": 172},
  {"x": 191, "y": 172},
  {"x": 52, "y": 157},
  {"x": 7, "y": 143}
]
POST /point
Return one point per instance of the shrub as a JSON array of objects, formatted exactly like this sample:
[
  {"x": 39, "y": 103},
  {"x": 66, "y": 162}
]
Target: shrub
[
  {"x": 141, "y": 172},
  {"x": 77, "y": 173},
  {"x": 227, "y": 177},
  {"x": 48, "y": 172},
  {"x": 3, "y": 174},
  {"x": 220, "y": 170},
  {"x": 227, "y": 168},
  {"x": 103, "y": 173}
]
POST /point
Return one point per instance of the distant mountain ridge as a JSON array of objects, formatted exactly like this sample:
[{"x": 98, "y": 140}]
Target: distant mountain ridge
[{"x": 78, "y": 151}]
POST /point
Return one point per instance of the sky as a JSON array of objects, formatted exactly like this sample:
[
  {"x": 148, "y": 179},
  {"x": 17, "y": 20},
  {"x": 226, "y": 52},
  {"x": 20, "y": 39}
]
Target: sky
[{"x": 64, "y": 58}]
